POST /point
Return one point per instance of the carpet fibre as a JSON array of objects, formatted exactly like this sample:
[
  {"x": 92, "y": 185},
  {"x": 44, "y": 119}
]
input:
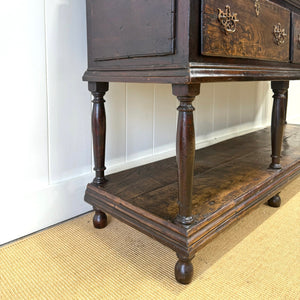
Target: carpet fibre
[{"x": 256, "y": 258}]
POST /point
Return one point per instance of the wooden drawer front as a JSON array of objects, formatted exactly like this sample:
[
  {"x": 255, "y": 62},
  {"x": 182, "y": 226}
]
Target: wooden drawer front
[
  {"x": 253, "y": 36},
  {"x": 296, "y": 39}
]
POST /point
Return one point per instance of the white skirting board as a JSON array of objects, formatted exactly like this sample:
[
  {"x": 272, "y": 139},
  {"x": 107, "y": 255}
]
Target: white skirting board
[{"x": 28, "y": 212}]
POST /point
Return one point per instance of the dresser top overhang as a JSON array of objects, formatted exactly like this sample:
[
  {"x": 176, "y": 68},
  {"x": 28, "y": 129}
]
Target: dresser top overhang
[{"x": 169, "y": 41}]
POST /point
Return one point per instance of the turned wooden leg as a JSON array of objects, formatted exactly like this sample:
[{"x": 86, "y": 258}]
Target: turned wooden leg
[
  {"x": 98, "y": 90},
  {"x": 278, "y": 120},
  {"x": 286, "y": 105},
  {"x": 275, "y": 201},
  {"x": 184, "y": 270},
  {"x": 185, "y": 149},
  {"x": 100, "y": 219}
]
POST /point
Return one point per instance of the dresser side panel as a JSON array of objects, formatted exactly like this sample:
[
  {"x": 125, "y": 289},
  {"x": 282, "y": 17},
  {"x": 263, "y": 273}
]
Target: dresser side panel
[
  {"x": 128, "y": 29},
  {"x": 296, "y": 38}
]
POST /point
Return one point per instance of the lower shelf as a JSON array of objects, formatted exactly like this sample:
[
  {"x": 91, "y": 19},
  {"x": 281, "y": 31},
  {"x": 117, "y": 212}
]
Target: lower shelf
[{"x": 230, "y": 178}]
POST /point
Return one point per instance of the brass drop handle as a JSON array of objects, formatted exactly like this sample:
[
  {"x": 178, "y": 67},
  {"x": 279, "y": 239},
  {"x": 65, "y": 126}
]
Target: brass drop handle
[
  {"x": 227, "y": 19},
  {"x": 257, "y": 7},
  {"x": 279, "y": 34}
]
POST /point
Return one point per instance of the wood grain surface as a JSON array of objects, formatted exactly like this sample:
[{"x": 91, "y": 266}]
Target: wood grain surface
[
  {"x": 137, "y": 53},
  {"x": 253, "y": 37},
  {"x": 229, "y": 179},
  {"x": 117, "y": 31},
  {"x": 296, "y": 38}
]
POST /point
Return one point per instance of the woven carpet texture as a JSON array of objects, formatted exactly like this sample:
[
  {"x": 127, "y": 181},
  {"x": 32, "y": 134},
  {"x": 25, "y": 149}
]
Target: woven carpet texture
[{"x": 258, "y": 257}]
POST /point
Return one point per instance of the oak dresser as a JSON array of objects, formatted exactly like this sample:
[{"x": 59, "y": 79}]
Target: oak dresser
[{"x": 185, "y": 201}]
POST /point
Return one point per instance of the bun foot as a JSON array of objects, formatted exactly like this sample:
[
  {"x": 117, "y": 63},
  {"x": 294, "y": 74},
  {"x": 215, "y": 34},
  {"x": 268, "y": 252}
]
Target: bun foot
[
  {"x": 184, "y": 271},
  {"x": 275, "y": 201},
  {"x": 100, "y": 219}
]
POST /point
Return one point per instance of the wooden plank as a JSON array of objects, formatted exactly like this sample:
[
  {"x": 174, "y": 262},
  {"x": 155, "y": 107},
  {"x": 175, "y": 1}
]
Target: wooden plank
[
  {"x": 222, "y": 172},
  {"x": 230, "y": 178}
]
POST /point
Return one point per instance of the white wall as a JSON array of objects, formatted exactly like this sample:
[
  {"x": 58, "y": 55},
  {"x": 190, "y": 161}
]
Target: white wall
[{"x": 46, "y": 151}]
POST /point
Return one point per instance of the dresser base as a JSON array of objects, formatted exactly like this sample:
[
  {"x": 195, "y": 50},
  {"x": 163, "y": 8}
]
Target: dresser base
[{"x": 230, "y": 178}]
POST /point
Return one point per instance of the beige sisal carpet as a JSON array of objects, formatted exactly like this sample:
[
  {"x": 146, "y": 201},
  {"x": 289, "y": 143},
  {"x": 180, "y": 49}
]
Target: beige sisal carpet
[{"x": 256, "y": 258}]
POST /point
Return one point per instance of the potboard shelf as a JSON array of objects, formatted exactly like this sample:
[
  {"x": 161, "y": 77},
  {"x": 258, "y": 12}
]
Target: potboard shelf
[{"x": 230, "y": 178}]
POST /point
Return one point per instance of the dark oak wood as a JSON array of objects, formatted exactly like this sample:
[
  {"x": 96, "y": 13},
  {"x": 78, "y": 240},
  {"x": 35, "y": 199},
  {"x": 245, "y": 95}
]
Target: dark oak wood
[
  {"x": 162, "y": 64},
  {"x": 230, "y": 179},
  {"x": 275, "y": 201},
  {"x": 98, "y": 90},
  {"x": 280, "y": 89},
  {"x": 185, "y": 202},
  {"x": 253, "y": 37},
  {"x": 291, "y": 4},
  {"x": 112, "y": 37},
  {"x": 185, "y": 149},
  {"x": 186, "y": 64},
  {"x": 286, "y": 106},
  {"x": 184, "y": 270},
  {"x": 295, "y": 47},
  {"x": 244, "y": 160},
  {"x": 100, "y": 219}
]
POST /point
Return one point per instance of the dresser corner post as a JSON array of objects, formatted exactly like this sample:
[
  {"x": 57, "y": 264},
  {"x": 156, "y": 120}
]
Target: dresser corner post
[
  {"x": 286, "y": 105},
  {"x": 280, "y": 90},
  {"x": 98, "y": 90},
  {"x": 185, "y": 149}
]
